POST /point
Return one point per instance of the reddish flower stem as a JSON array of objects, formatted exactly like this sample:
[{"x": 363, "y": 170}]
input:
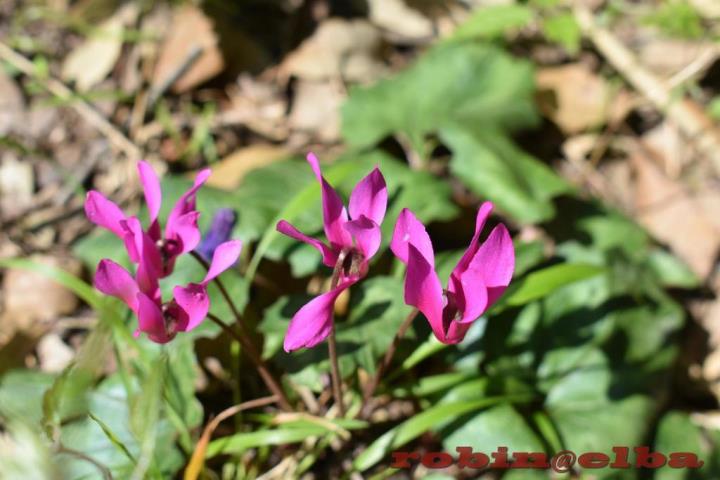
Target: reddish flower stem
[
  {"x": 244, "y": 339},
  {"x": 369, "y": 389},
  {"x": 332, "y": 344}
]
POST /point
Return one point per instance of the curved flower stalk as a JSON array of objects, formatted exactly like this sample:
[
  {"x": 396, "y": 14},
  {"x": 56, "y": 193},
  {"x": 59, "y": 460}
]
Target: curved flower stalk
[
  {"x": 354, "y": 237},
  {"x": 478, "y": 280},
  {"x": 181, "y": 233},
  {"x": 161, "y": 321}
]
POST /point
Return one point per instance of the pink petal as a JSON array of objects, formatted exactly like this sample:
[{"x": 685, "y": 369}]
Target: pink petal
[
  {"x": 186, "y": 203},
  {"x": 145, "y": 253},
  {"x": 334, "y": 213},
  {"x": 366, "y": 234},
  {"x": 482, "y": 215},
  {"x": 112, "y": 279},
  {"x": 456, "y": 332},
  {"x": 313, "y": 322},
  {"x": 329, "y": 255},
  {"x": 151, "y": 320},
  {"x": 409, "y": 230},
  {"x": 104, "y": 213},
  {"x": 151, "y": 187},
  {"x": 495, "y": 260},
  {"x": 424, "y": 291},
  {"x": 185, "y": 230},
  {"x": 194, "y": 300},
  {"x": 225, "y": 256},
  {"x": 472, "y": 297},
  {"x": 369, "y": 198}
]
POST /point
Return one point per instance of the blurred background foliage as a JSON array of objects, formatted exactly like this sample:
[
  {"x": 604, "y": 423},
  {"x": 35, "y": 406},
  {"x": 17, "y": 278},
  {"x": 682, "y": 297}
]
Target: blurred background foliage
[{"x": 607, "y": 337}]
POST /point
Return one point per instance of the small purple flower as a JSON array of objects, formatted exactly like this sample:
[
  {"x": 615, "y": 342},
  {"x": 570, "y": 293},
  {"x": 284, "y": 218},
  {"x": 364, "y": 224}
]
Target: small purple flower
[{"x": 220, "y": 230}]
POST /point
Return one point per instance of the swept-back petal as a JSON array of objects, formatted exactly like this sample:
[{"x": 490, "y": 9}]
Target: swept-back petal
[
  {"x": 186, "y": 203},
  {"x": 147, "y": 257},
  {"x": 225, "y": 256},
  {"x": 334, "y": 212},
  {"x": 409, "y": 230},
  {"x": 495, "y": 260},
  {"x": 151, "y": 188},
  {"x": 313, "y": 322},
  {"x": 112, "y": 279},
  {"x": 366, "y": 234},
  {"x": 329, "y": 255},
  {"x": 150, "y": 320},
  {"x": 369, "y": 197},
  {"x": 194, "y": 301},
  {"x": 185, "y": 231},
  {"x": 424, "y": 291},
  {"x": 482, "y": 215},
  {"x": 104, "y": 213},
  {"x": 472, "y": 296}
]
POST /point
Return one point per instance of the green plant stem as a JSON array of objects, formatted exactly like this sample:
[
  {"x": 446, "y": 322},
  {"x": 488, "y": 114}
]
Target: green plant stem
[
  {"x": 386, "y": 361},
  {"x": 332, "y": 343},
  {"x": 244, "y": 339}
]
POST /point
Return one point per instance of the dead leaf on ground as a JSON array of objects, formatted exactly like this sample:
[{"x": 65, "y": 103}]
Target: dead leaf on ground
[
  {"x": 191, "y": 30},
  {"x": 92, "y": 61},
  {"x": 261, "y": 106},
  {"x": 579, "y": 99},
  {"x": 339, "y": 48},
  {"x": 53, "y": 353},
  {"x": 398, "y": 19},
  {"x": 16, "y": 185},
  {"x": 229, "y": 172},
  {"x": 316, "y": 110},
  {"x": 674, "y": 215},
  {"x": 668, "y": 56},
  {"x": 12, "y": 105}
]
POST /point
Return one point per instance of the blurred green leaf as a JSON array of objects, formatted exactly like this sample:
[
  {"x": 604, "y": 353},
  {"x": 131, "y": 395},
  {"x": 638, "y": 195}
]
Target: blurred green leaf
[
  {"x": 480, "y": 85},
  {"x": 564, "y": 30},
  {"x": 542, "y": 282},
  {"x": 278, "y": 436},
  {"x": 492, "y": 21}
]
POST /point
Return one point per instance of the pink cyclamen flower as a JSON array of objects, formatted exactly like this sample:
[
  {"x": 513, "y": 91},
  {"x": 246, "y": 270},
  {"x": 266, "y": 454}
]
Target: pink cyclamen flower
[
  {"x": 353, "y": 239},
  {"x": 161, "y": 321},
  {"x": 181, "y": 230},
  {"x": 479, "y": 279}
]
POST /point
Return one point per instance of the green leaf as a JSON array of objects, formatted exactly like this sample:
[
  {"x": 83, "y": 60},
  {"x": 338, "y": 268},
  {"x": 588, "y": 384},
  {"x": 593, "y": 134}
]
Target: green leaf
[
  {"x": 671, "y": 271},
  {"x": 279, "y": 436},
  {"x": 491, "y": 166},
  {"x": 492, "y": 21},
  {"x": 416, "y": 426},
  {"x": 480, "y": 85},
  {"x": 564, "y": 30},
  {"x": 542, "y": 282},
  {"x": 677, "y": 433},
  {"x": 500, "y": 425}
]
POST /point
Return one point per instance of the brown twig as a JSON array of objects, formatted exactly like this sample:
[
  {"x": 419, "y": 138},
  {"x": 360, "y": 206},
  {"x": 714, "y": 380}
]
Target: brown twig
[
  {"x": 57, "y": 88},
  {"x": 244, "y": 339},
  {"x": 332, "y": 343},
  {"x": 685, "y": 113},
  {"x": 198, "y": 457},
  {"x": 386, "y": 361}
]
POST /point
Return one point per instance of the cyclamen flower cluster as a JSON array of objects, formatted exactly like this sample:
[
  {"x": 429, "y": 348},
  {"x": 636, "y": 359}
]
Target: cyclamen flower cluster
[
  {"x": 354, "y": 237},
  {"x": 155, "y": 254}
]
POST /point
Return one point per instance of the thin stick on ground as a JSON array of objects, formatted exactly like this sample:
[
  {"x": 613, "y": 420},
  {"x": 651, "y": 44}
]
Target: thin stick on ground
[
  {"x": 244, "y": 339},
  {"x": 385, "y": 364},
  {"x": 57, "y": 88},
  {"x": 332, "y": 343},
  {"x": 690, "y": 117},
  {"x": 198, "y": 457}
]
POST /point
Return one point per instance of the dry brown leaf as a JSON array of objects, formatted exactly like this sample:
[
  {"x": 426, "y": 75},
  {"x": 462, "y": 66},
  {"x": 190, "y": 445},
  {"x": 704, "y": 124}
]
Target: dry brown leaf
[
  {"x": 581, "y": 98},
  {"x": 191, "y": 30},
  {"x": 316, "y": 110},
  {"x": 12, "y": 105},
  {"x": 395, "y": 17},
  {"x": 229, "y": 172},
  {"x": 53, "y": 353},
  {"x": 16, "y": 185},
  {"x": 668, "y": 56},
  {"x": 675, "y": 216},
  {"x": 338, "y": 48},
  {"x": 93, "y": 60}
]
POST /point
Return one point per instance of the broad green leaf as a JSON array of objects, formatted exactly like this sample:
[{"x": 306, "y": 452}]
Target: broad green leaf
[
  {"x": 671, "y": 271},
  {"x": 677, "y": 433},
  {"x": 500, "y": 425},
  {"x": 479, "y": 85},
  {"x": 492, "y": 21},
  {"x": 564, "y": 30},
  {"x": 492, "y": 167},
  {"x": 542, "y": 282}
]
